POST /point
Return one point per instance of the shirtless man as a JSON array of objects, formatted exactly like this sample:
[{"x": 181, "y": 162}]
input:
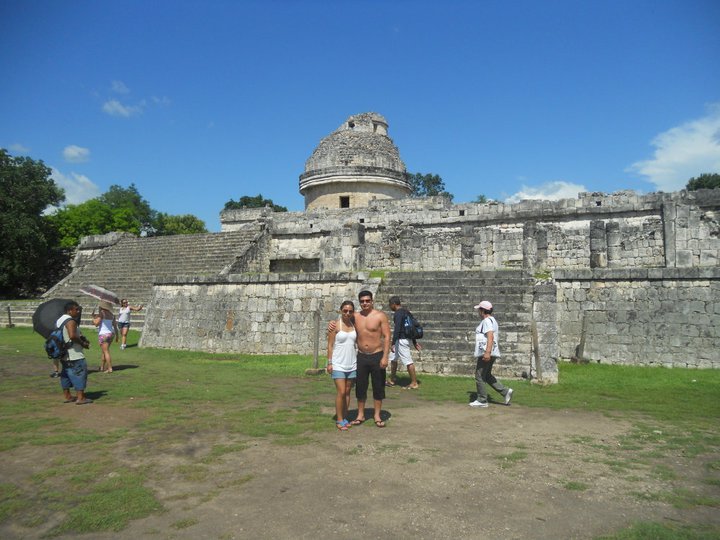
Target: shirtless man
[{"x": 373, "y": 341}]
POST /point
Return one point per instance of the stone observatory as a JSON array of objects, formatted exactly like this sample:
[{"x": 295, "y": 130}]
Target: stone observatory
[{"x": 355, "y": 164}]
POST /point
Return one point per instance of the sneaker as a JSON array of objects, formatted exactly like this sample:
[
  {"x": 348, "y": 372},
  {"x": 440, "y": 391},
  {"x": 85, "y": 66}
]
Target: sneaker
[
  {"x": 508, "y": 396},
  {"x": 54, "y": 374},
  {"x": 122, "y": 347},
  {"x": 477, "y": 403}
]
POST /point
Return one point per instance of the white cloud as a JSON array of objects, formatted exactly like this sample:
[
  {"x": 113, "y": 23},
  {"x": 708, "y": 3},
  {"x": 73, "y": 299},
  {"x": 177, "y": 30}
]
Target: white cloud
[
  {"x": 114, "y": 108},
  {"x": 683, "y": 152},
  {"x": 19, "y": 149},
  {"x": 161, "y": 101},
  {"x": 549, "y": 191},
  {"x": 119, "y": 87},
  {"x": 78, "y": 188},
  {"x": 76, "y": 154}
]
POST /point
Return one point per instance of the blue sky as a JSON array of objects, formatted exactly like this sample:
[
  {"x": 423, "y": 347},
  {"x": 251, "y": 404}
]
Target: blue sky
[{"x": 198, "y": 102}]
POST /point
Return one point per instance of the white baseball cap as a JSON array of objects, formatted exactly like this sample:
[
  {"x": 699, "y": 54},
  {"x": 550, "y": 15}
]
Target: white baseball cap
[{"x": 484, "y": 305}]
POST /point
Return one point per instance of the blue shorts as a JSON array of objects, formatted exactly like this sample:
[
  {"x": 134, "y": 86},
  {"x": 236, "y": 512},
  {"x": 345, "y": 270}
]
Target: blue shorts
[
  {"x": 74, "y": 374},
  {"x": 344, "y": 374},
  {"x": 124, "y": 324}
]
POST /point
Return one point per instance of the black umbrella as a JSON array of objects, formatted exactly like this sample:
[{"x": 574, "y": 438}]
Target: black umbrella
[{"x": 46, "y": 315}]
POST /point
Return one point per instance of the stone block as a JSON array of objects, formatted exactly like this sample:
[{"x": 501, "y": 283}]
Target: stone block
[
  {"x": 683, "y": 258},
  {"x": 709, "y": 257}
]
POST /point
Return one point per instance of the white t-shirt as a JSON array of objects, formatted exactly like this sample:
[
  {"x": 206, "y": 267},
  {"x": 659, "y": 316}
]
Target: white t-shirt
[
  {"x": 124, "y": 315},
  {"x": 75, "y": 352},
  {"x": 487, "y": 325}
]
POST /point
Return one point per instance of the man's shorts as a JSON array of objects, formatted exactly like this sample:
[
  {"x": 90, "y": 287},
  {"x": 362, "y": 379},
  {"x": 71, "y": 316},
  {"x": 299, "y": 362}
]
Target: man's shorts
[
  {"x": 74, "y": 374},
  {"x": 368, "y": 368},
  {"x": 402, "y": 351}
]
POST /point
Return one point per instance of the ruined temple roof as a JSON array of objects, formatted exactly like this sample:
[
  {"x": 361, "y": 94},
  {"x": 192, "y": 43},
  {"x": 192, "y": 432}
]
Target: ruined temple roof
[{"x": 361, "y": 141}]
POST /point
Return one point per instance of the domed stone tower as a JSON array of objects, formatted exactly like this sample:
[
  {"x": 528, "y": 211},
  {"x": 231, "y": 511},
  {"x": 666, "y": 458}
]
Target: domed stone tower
[{"x": 356, "y": 163}]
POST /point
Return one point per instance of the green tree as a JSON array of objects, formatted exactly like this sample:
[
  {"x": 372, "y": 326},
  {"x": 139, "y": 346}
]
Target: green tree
[
  {"x": 253, "y": 202},
  {"x": 182, "y": 224},
  {"x": 481, "y": 199},
  {"x": 118, "y": 197},
  {"x": 704, "y": 181},
  {"x": 91, "y": 217},
  {"x": 27, "y": 255},
  {"x": 427, "y": 185},
  {"x": 122, "y": 210}
]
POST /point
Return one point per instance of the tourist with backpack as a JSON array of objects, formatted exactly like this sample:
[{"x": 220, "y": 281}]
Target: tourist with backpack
[
  {"x": 404, "y": 331},
  {"x": 74, "y": 367},
  {"x": 486, "y": 352}
]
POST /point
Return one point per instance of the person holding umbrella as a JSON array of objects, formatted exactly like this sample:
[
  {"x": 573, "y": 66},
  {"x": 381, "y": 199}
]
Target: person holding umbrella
[
  {"x": 74, "y": 367},
  {"x": 107, "y": 329},
  {"x": 44, "y": 322}
]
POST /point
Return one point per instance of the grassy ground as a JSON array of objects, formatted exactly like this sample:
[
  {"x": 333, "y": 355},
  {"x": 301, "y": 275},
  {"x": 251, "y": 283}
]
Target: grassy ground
[{"x": 180, "y": 393}]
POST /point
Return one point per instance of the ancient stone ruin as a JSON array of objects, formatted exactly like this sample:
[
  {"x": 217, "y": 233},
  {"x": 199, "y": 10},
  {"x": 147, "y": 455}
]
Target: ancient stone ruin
[
  {"x": 617, "y": 278},
  {"x": 355, "y": 164}
]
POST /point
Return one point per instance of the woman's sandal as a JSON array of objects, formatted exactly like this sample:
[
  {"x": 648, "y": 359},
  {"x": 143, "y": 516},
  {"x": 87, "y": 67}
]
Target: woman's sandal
[
  {"x": 357, "y": 422},
  {"x": 342, "y": 426},
  {"x": 379, "y": 423}
]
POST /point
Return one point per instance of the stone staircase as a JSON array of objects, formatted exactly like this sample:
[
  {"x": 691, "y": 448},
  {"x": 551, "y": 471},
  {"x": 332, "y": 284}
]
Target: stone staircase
[
  {"x": 443, "y": 303},
  {"x": 132, "y": 265}
]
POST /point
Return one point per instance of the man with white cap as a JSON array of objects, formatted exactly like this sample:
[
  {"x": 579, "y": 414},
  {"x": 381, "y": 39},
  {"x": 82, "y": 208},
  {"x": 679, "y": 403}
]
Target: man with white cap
[{"x": 486, "y": 352}]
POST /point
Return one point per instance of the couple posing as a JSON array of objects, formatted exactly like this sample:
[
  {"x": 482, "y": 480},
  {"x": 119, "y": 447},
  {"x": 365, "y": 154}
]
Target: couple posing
[{"x": 369, "y": 329}]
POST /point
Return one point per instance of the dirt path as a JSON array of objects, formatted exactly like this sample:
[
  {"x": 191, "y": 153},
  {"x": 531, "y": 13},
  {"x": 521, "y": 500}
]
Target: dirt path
[{"x": 436, "y": 471}]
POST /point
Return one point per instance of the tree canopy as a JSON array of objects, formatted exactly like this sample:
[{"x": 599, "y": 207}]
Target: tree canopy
[
  {"x": 704, "y": 181},
  {"x": 253, "y": 202},
  {"x": 182, "y": 224},
  {"x": 427, "y": 185},
  {"x": 117, "y": 197},
  {"x": 27, "y": 254},
  {"x": 119, "y": 209}
]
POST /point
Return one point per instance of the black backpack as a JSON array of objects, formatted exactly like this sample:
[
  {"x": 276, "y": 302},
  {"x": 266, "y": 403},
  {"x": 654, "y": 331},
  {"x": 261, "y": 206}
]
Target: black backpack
[
  {"x": 55, "y": 345},
  {"x": 411, "y": 327}
]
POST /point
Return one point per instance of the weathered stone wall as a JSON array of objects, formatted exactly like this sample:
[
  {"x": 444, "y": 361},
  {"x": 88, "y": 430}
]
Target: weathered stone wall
[
  {"x": 595, "y": 231},
  {"x": 252, "y": 314},
  {"x": 636, "y": 242},
  {"x": 629, "y": 278},
  {"x": 667, "y": 317},
  {"x": 91, "y": 246}
]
